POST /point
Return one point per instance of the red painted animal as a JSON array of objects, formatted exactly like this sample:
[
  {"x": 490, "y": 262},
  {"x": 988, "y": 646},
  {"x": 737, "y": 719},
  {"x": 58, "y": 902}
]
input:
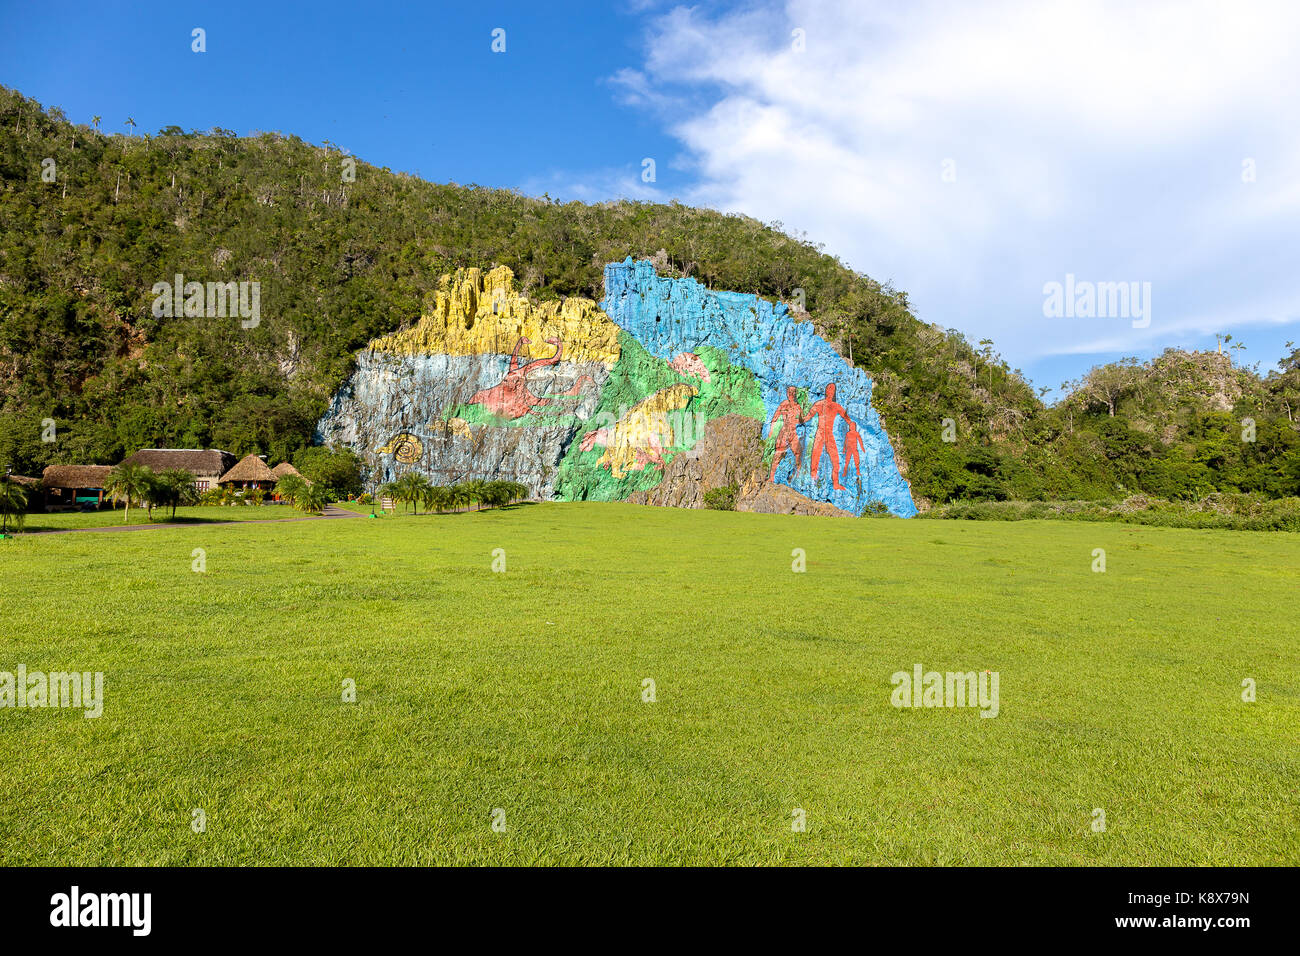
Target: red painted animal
[{"x": 510, "y": 398}]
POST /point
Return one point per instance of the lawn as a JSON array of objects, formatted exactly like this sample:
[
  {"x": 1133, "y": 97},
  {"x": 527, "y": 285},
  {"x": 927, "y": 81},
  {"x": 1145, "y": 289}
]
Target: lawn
[
  {"x": 113, "y": 517},
  {"x": 522, "y": 691}
]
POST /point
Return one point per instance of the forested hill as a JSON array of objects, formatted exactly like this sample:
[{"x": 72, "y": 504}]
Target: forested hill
[{"x": 345, "y": 251}]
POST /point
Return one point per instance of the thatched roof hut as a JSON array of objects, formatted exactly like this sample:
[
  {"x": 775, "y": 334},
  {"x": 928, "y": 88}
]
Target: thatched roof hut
[
  {"x": 207, "y": 465},
  {"x": 284, "y": 469},
  {"x": 250, "y": 472},
  {"x": 69, "y": 486},
  {"x": 75, "y": 477}
]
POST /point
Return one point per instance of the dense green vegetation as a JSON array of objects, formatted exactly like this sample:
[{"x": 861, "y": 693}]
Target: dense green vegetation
[
  {"x": 415, "y": 489},
  {"x": 1230, "y": 512},
  {"x": 341, "y": 260},
  {"x": 336, "y": 470},
  {"x": 522, "y": 689}
]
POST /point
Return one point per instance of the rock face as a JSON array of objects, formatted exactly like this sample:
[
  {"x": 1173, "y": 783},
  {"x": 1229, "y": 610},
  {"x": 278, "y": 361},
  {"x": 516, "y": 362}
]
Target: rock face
[
  {"x": 660, "y": 393},
  {"x": 839, "y": 452},
  {"x": 730, "y": 453},
  {"x": 487, "y": 386}
]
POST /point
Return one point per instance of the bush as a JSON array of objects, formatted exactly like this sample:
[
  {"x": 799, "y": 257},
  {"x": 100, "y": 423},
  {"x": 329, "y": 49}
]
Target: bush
[
  {"x": 876, "y": 509},
  {"x": 721, "y": 499},
  {"x": 1233, "y": 512},
  {"x": 290, "y": 487}
]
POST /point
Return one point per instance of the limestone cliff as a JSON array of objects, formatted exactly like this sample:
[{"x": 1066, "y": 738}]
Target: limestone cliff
[
  {"x": 730, "y": 453},
  {"x": 663, "y": 390},
  {"x": 846, "y": 458}
]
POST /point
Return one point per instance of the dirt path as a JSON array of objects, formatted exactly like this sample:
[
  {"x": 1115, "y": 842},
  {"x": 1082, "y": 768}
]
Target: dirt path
[{"x": 330, "y": 511}]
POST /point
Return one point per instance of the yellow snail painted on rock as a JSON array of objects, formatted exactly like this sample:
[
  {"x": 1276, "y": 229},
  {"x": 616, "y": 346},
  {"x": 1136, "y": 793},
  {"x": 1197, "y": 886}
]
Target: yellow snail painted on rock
[{"x": 405, "y": 447}]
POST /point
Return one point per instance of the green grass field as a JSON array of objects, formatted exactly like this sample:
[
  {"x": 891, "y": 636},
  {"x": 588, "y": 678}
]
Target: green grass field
[
  {"x": 522, "y": 690},
  {"x": 112, "y": 518}
]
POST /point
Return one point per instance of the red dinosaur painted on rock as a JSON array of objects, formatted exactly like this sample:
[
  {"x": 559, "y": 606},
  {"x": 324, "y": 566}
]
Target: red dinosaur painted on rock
[{"x": 511, "y": 398}]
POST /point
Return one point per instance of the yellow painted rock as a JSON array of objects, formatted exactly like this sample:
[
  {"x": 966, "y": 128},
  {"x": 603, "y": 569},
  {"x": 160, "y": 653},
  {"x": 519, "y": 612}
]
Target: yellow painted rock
[
  {"x": 642, "y": 435},
  {"x": 476, "y": 314},
  {"x": 457, "y": 426}
]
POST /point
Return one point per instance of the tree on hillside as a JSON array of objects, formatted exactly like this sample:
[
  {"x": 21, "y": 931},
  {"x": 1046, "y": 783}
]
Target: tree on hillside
[
  {"x": 986, "y": 350},
  {"x": 1284, "y": 385},
  {"x": 1107, "y": 384}
]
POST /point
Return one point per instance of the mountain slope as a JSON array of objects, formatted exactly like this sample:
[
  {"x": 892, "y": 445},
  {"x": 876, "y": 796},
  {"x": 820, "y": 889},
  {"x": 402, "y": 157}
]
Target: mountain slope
[{"x": 345, "y": 252}]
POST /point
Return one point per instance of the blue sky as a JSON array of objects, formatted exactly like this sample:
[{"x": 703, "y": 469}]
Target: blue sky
[{"x": 970, "y": 153}]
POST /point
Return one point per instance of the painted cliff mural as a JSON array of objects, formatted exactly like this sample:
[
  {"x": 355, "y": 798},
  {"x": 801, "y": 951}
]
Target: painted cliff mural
[{"x": 579, "y": 400}]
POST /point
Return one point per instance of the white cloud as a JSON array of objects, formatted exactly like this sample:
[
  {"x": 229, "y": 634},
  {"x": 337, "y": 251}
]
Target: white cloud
[{"x": 1103, "y": 139}]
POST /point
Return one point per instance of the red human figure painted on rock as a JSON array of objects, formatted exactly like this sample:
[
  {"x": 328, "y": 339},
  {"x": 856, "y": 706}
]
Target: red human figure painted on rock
[
  {"x": 791, "y": 416},
  {"x": 826, "y": 411},
  {"x": 852, "y": 445}
]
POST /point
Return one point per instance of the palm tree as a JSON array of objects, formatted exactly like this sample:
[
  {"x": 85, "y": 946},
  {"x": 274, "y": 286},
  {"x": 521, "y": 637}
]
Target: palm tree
[
  {"x": 13, "y": 503},
  {"x": 400, "y": 491},
  {"x": 498, "y": 494},
  {"x": 94, "y": 121},
  {"x": 459, "y": 495},
  {"x": 473, "y": 490},
  {"x": 421, "y": 488},
  {"x": 413, "y": 487},
  {"x": 437, "y": 498},
  {"x": 290, "y": 487},
  {"x": 131, "y": 123},
  {"x": 311, "y": 499},
  {"x": 130, "y": 483},
  {"x": 175, "y": 486}
]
